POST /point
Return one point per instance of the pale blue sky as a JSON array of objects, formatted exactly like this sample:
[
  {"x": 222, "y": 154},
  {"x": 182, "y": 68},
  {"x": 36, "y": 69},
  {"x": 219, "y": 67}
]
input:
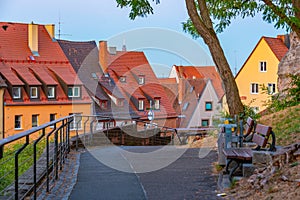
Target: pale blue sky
[{"x": 84, "y": 20}]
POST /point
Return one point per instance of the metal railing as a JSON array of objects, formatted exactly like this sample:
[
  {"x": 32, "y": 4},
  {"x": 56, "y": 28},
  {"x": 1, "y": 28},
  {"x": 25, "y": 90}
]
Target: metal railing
[{"x": 30, "y": 161}]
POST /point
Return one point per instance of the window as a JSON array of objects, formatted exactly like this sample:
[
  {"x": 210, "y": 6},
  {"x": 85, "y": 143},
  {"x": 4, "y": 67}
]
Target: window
[
  {"x": 94, "y": 76},
  {"x": 77, "y": 122},
  {"x": 271, "y": 88},
  {"x": 18, "y": 121},
  {"x": 34, "y": 120},
  {"x": 51, "y": 92},
  {"x": 208, "y": 106},
  {"x": 185, "y": 106},
  {"x": 52, "y": 118},
  {"x": 205, "y": 122},
  {"x": 123, "y": 79},
  {"x": 120, "y": 102},
  {"x": 191, "y": 89},
  {"x": 16, "y": 92},
  {"x": 254, "y": 88},
  {"x": 263, "y": 66},
  {"x": 141, "y": 104},
  {"x": 156, "y": 104},
  {"x": 103, "y": 104},
  {"x": 141, "y": 80},
  {"x": 33, "y": 92},
  {"x": 74, "y": 91}
]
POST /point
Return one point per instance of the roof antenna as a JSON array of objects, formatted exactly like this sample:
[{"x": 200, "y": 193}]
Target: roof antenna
[
  {"x": 124, "y": 46},
  {"x": 59, "y": 28}
]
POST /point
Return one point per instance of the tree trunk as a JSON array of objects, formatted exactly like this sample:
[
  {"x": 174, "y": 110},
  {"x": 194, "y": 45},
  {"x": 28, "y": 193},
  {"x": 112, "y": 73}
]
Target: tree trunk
[{"x": 204, "y": 27}]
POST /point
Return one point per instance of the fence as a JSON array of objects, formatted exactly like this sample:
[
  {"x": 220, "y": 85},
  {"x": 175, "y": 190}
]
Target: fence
[{"x": 30, "y": 161}]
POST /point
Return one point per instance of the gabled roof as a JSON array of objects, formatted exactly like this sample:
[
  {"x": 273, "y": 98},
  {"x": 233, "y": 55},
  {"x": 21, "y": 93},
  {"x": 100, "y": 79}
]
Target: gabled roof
[
  {"x": 26, "y": 75},
  {"x": 9, "y": 75},
  {"x": 43, "y": 74},
  {"x": 276, "y": 45},
  {"x": 133, "y": 64},
  {"x": 66, "y": 74},
  {"x": 14, "y": 43},
  {"x": 206, "y": 72}
]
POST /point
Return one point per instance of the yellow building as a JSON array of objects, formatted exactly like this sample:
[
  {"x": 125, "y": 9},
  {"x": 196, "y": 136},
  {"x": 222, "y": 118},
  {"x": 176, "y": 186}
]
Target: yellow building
[
  {"x": 257, "y": 79},
  {"x": 41, "y": 83}
]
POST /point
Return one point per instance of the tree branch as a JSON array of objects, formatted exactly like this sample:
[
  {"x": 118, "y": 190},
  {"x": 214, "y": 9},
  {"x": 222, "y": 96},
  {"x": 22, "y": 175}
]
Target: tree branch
[
  {"x": 205, "y": 14},
  {"x": 283, "y": 16},
  {"x": 202, "y": 30}
]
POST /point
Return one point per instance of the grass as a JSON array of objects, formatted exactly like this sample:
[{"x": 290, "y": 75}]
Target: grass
[
  {"x": 285, "y": 124},
  {"x": 7, "y": 163}
]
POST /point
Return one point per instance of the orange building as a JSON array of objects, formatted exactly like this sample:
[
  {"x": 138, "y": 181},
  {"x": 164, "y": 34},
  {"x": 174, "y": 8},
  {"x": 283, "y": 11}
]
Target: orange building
[{"x": 41, "y": 83}]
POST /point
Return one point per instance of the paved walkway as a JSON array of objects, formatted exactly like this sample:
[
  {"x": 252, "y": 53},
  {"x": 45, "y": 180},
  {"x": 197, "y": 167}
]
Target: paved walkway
[{"x": 130, "y": 174}]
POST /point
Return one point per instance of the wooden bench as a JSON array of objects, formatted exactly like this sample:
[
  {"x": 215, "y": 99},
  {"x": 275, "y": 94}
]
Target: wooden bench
[{"x": 244, "y": 155}]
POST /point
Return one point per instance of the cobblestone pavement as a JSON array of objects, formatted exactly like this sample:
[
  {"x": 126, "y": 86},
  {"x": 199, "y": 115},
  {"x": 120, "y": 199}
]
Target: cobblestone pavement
[{"x": 189, "y": 177}]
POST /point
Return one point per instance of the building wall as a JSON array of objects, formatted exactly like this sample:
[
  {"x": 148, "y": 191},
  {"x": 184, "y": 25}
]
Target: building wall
[
  {"x": 250, "y": 73},
  {"x": 209, "y": 95},
  {"x": 1, "y": 113},
  {"x": 43, "y": 112}
]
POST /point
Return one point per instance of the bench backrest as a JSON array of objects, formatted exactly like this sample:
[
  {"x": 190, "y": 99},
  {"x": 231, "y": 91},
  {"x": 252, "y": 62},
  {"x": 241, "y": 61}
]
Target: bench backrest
[
  {"x": 261, "y": 135},
  {"x": 249, "y": 126}
]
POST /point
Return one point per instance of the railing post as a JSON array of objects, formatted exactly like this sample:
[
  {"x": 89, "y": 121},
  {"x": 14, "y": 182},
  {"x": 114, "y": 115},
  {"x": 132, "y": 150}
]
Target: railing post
[
  {"x": 47, "y": 157},
  {"x": 17, "y": 167},
  {"x": 56, "y": 154},
  {"x": 34, "y": 163}
]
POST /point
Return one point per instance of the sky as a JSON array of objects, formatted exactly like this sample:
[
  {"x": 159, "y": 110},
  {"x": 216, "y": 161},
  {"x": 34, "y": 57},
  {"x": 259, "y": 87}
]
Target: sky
[{"x": 159, "y": 35}]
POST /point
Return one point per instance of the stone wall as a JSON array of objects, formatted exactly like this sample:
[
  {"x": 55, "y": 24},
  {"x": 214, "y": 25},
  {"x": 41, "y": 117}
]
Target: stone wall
[{"x": 290, "y": 64}]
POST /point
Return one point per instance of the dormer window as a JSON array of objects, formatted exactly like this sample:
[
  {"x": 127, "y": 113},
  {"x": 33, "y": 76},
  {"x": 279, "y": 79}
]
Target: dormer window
[
  {"x": 141, "y": 80},
  {"x": 122, "y": 79},
  {"x": 33, "y": 92},
  {"x": 16, "y": 92},
  {"x": 156, "y": 104},
  {"x": 74, "y": 91},
  {"x": 120, "y": 102},
  {"x": 94, "y": 76},
  {"x": 51, "y": 92},
  {"x": 141, "y": 104},
  {"x": 103, "y": 104}
]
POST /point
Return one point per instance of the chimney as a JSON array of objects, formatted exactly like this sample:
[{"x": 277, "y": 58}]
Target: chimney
[
  {"x": 33, "y": 38},
  {"x": 51, "y": 30},
  {"x": 103, "y": 55},
  {"x": 181, "y": 89},
  {"x": 285, "y": 39}
]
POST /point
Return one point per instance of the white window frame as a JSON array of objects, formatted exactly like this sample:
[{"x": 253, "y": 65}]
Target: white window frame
[
  {"x": 18, "y": 94},
  {"x": 122, "y": 79},
  {"x": 263, "y": 66},
  {"x": 141, "y": 80},
  {"x": 32, "y": 91},
  {"x": 156, "y": 104},
  {"x": 254, "y": 90},
  {"x": 74, "y": 88},
  {"x": 35, "y": 123},
  {"x": 271, "y": 88},
  {"x": 52, "y": 89},
  {"x": 141, "y": 105},
  {"x": 19, "y": 127}
]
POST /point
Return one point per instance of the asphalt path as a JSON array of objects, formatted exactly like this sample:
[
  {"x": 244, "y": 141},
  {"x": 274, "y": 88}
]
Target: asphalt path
[{"x": 154, "y": 172}]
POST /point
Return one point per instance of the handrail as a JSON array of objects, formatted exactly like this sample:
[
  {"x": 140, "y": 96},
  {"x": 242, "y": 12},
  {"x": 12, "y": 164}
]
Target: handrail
[{"x": 18, "y": 136}]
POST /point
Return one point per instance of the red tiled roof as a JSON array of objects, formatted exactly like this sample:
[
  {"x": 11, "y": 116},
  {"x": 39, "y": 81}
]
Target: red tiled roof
[
  {"x": 167, "y": 80},
  {"x": 42, "y": 73},
  {"x": 66, "y": 74},
  {"x": 277, "y": 46},
  {"x": 27, "y": 76},
  {"x": 9, "y": 75},
  {"x": 14, "y": 43},
  {"x": 206, "y": 72},
  {"x": 132, "y": 65}
]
